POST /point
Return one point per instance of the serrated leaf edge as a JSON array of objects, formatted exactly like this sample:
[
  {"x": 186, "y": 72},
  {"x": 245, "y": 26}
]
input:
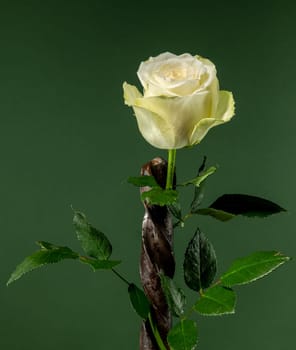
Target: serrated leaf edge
[
  {"x": 43, "y": 249},
  {"x": 213, "y": 299},
  {"x": 281, "y": 262}
]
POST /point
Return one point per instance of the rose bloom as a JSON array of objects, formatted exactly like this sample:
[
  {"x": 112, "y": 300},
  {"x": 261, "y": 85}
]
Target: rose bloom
[{"x": 181, "y": 100}]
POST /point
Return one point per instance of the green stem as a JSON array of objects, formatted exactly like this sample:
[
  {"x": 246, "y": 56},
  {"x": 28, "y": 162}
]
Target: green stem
[
  {"x": 120, "y": 276},
  {"x": 156, "y": 333},
  {"x": 171, "y": 168}
]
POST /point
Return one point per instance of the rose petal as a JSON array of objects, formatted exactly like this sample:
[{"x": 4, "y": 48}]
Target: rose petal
[
  {"x": 130, "y": 93},
  {"x": 201, "y": 129},
  {"x": 154, "y": 129},
  {"x": 176, "y": 122},
  {"x": 172, "y": 75},
  {"x": 225, "y": 108},
  {"x": 180, "y": 114},
  {"x": 225, "y": 111}
]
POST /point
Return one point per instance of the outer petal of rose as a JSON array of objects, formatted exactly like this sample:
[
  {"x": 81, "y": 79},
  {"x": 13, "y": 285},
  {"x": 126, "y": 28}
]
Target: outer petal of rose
[
  {"x": 225, "y": 108},
  {"x": 178, "y": 122},
  {"x": 130, "y": 93},
  {"x": 153, "y": 128},
  {"x": 202, "y": 128},
  {"x": 225, "y": 111},
  {"x": 181, "y": 114}
]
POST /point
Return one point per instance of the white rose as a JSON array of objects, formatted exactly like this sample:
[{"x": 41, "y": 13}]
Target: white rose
[{"x": 181, "y": 100}]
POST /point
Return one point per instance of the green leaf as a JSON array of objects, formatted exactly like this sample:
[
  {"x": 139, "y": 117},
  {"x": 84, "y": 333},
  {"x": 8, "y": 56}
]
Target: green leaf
[
  {"x": 217, "y": 214},
  {"x": 200, "y": 263},
  {"x": 49, "y": 254},
  {"x": 156, "y": 334},
  {"x": 200, "y": 178},
  {"x": 141, "y": 181},
  {"x": 47, "y": 245},
  {"x": 161, "y": 197},
  {"x": 183, "y": 336},
  {"x": 94, "y": 242},
  {"x": 215, "y": 301},
  {"x": 175, "y": 296},
  {"x": 202, "y": 166},
  {"x": 175, "y": 210},
  {"x": 252, "y": 267},
  {"x": 241, "y": 204},
  {"x": 99, "y": 264},
  {"x": 199, "y": 193},
  {"x": 139, "y": 301}
]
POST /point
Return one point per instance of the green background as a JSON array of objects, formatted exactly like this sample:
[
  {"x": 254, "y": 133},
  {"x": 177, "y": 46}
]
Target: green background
[{"x": 66, "y": 138}]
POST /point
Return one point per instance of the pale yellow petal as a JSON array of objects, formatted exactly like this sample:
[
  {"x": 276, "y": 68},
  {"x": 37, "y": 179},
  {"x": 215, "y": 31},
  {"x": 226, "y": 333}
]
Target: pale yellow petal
[
  {"x": 176, "y": 122},
  {"x": 155, "y": 129},
  {"x": 181, "y": 112},
  {"x": 130, "y": 93},
  {"x": 201, "y": 129},
  {"x": 225, "y": 108},
  {"x": 224, "y": 113}
]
